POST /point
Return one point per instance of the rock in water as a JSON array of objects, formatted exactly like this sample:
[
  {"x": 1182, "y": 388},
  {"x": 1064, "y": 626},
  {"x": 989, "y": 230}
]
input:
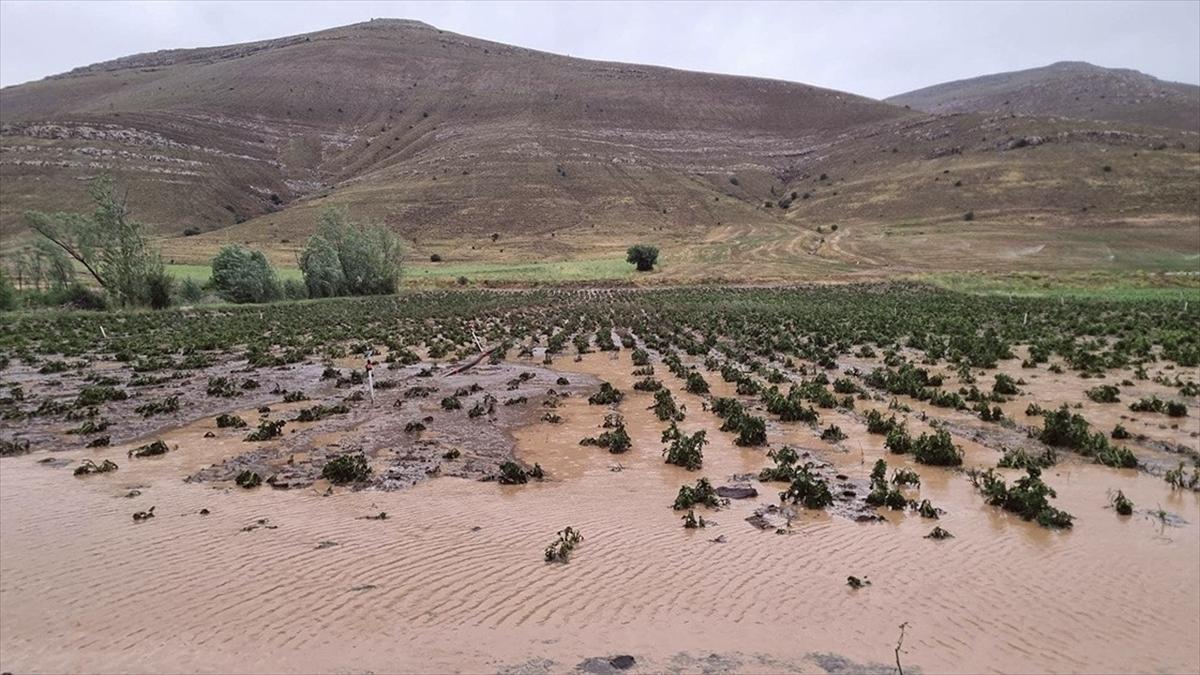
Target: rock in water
[
  {"x": 737, "y": 492},
  {"x": 622, "y": 662}
]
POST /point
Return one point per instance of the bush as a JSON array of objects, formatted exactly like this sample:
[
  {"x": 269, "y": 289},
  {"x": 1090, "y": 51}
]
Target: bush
[
  {"x": 344, "y": 258},
  {"x": 294, "y": 289},
  {"x": 512, "y": 473},
  {"x": 347, "y": 469},
  {"x": 898, "y": 440},
  {"x": 158, "y": 287},
  {"x": 1005, "y": 385},
  {"x": 785, "y": 465},
  {"x": 695, "y": 383},
  {"x": 248, "y": 479},
  {"x": 560, "y": 550},
  {"x": 686, "y": 451},
  {"x": 8, "y": 293},
  {"x": 645, "y": 257},
  {"x": 607, "y": 394},
  {"x": 242, "y": 275},
  {"x": 190, "y": 292},
  {"x": 703, "y": 493},
  {"x": 1028, "y": 498},
  {"x": 808, "y": 489},
  {"x": 969, "y": 216},
  {"x": 616, "y": 440},
  {"x": 937, "y": 450},
  {"x": 435, "y": 258},
  {"x": 1105, "y": 393}
]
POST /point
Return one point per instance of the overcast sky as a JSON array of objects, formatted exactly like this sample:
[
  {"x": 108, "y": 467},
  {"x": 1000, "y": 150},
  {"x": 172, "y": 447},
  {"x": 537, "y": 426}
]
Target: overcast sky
[{"x": 872, "y": 48}]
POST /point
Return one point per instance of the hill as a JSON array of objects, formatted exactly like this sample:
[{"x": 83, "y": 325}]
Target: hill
[
  {"x": 1067, "y": 89},
  {"x": 487, "y": 153}
]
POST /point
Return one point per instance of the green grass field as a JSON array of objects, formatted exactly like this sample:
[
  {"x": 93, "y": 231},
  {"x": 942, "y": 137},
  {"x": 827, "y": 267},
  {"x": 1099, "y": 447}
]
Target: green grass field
[
  {"x": 441, "y": 274},
  {"x": 201, "y": 273},
  {"x": 603, "y": 269},
  {"x": 1098, "y": 286}
]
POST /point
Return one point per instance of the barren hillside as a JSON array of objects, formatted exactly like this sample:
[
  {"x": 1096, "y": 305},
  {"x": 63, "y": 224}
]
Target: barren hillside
[{"x": 485, "y": 152}]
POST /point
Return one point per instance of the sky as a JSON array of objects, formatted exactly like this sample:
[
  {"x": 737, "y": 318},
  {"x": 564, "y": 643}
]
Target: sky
[{"x": 876, "y": 49}]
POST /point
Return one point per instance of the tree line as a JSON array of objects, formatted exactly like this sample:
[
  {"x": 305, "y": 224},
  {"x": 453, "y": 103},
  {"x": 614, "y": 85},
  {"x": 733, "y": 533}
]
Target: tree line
[{"x": 120, "y": 266}]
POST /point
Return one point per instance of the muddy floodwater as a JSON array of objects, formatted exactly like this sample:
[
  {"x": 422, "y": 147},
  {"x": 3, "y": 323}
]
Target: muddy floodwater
[{"x": 453, "y": 580}]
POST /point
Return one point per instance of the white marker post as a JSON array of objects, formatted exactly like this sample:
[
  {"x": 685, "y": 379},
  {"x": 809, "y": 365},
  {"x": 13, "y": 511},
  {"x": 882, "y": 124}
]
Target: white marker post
[{"x": 370, "y": 380}]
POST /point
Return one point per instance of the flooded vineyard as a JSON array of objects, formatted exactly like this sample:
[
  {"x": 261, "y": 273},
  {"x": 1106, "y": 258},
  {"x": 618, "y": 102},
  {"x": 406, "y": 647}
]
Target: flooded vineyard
[{"x": 763, "y": 480}]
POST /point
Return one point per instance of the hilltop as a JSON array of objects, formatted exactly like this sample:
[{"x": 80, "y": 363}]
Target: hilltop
[{"x": 1067, "y": 89}]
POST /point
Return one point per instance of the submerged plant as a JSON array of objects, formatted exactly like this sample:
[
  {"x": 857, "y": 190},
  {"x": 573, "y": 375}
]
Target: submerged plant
[
  {"x": 686, "y": 451},
  {"x": 702, "y": 493},
  {"x": 344, "y": 469},
  {"x": 560, "y": 550}
]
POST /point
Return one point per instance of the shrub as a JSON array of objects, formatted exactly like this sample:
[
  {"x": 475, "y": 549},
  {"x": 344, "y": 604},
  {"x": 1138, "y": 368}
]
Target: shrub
[
  {"x": 190, "y": 291},
  {"x": 665, "y": 408},
  {"x": 344, "y": 258},
  {"x": 266, "y": 431},
  {"x": 163, "y": 406},
  {"x": 1028, "y": 497},
  {"x": 937, "y": 450},
  {"x": 230, "y": 422},
  {"x": 346, "y": 469},
  {"x": 898, "y": 441},
  {"x": 1178, "y": 478},
  {"x": 157, "y": 286},
  {"x": 1105, "y": 393},
  {"x": 833, "y": 433},
  {"x": 1122, "y": 504},
  {"x": 294, "y": 289},
  {"x": 606, "y": 395},
  {"x": 1005, "y": 385},
  {"x": 645, "y": 257},
  {"x": 242, "y": 275},
  {"x": 785, "y": 465},
  {"x": 560, "y": 550},
  {"x": 702, "y": 493},
  {"x": 808, "y": 489},
  {"x": 248, "y": 479},
  {"x": 684, "y": 450},
  {"x": 89, "y": 467},
  {"x": 1019, "y": 459},
  {"x": 969, "y": 216},
  {"x": 695, "y": 383},
  {"x": 149, "y": 450},
  {"x": 616, "y": 440}
]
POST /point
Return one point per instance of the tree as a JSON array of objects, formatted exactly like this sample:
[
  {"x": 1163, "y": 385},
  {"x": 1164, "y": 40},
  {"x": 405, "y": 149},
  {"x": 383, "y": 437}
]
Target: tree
[
  {"x": 345, "y": 258},
  {"x": 645, "y": 257},
  {"x": 243, "y": 275},
  {"x": 8, "y": 294},
  {"x": 113, "y": 248}
]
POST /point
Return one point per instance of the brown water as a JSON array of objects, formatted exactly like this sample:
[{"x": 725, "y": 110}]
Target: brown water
[{"x": 83, "y": 588}]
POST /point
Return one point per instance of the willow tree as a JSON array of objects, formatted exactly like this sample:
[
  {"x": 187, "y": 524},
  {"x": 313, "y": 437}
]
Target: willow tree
[
  {"x": 345, "y": 258},
  {"x": 113, "y": 248}
]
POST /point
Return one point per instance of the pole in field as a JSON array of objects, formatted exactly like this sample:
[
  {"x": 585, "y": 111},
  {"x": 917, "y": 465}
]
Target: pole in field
[{"x": 370, "y": 376}]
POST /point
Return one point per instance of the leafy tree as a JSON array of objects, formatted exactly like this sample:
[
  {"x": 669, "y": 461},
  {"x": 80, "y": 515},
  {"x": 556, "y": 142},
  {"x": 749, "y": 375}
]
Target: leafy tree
[
  {"x": 345, "y": 258},
  {"x": 645, "y": 257},
  {"x": 8, "y": 293},
  {"x": 113, "y": 248},
  {"x": 190, "y": 291},
  {"x": 242, "y": 275}
]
